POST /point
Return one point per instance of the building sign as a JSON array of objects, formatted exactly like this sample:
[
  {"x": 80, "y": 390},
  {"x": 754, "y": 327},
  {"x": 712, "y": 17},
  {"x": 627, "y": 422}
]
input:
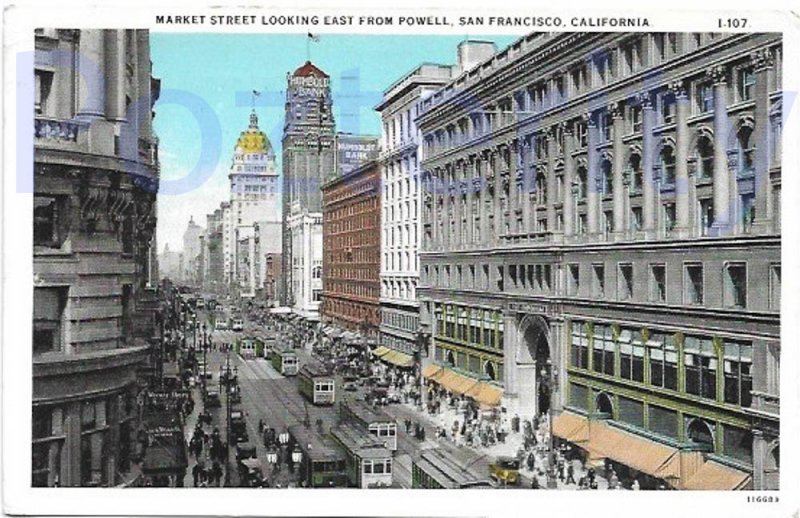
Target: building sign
[
  {"x": 353, "y": 150},
  {"x": 309, "y": 86}
]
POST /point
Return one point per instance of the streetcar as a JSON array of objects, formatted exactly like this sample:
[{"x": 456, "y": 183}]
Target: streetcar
[
  {"x": 322, "y": 463},
  {"x": 374, "y": 420},
  {"x": 285, "y": 362},
  {"x": 369, "y": 462},
  {"x": 446, "y": 468},
  {"x": 316, "y": 384}
]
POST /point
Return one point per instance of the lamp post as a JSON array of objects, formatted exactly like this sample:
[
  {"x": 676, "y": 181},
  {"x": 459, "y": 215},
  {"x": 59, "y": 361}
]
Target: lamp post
[
  {"x": 204, "y": 339},
  {"x": 548, "y": 381}
]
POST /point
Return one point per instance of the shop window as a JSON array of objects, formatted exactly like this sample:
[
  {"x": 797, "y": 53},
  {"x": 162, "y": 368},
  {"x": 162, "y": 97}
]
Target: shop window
[
  {"x": 700, "y": 366},
  {"x": 735, "y": 285},
  {"x": 625, "y": 281},
  {"x": 737, "y": 443},
  {"x": 663, "y": 361},
  {"x": 663, "y": 421},
  {"x": 631, "y": 411},
  {"x": 738, "y": 379},
  {"x": 657, "y": 288},
  {"x": 631, "y": 356},
  {"x": 603, "y": 350},
  {"x": 693, "y": 283},
  {"x": 578, "y": 396},
  {"x": 580, "y": 346}
]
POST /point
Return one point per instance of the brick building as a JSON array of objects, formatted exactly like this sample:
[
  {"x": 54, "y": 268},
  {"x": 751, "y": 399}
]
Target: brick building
[{"x": 351, "y": 239}]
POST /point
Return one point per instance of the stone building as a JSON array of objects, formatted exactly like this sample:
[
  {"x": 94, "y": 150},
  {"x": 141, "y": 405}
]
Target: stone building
[
  {"x": 351, "y": 243},
  {"x": 308, "y": 161},
  {"x": 192, "y": 251},
  {"x": 96, "y": 176},
  {"x": 601, "y": 239}
]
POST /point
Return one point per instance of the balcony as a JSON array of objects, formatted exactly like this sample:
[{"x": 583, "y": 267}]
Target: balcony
[{"x": 48, "y": 131}]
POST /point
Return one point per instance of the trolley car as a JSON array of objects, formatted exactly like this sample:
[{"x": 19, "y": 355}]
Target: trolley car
[
  {"x": 323, "y": 462},
  {"x": 369, "y": 462},
  {"x": 445, "y": 468},
  {"x": 374, "y": 420},
  {"x": 285, "y": 362},
  {"x": 316, "y": 384}
]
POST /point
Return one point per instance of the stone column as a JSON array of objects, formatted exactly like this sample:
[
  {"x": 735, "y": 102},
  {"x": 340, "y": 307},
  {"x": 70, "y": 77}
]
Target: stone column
[
  {"x": 91, "y": 74},
  {"x": 483, "y": 197},
  {"x": 115, "y": 65},
  {"x": 552, "y": 149},
  {"x": 618, "y": 122},
  {"x": 569, "y": 179},
  {"x": 682, "y": 139},
  {"x": 498, "y": 195},
  {"x": 528, "y": 185},
  {"x": 447, "y": 205},
  {"x": 433, "y": 196},
  {"x": 458, "y": 205},
  {"x": 143, "y": 99},
  {"x": 468, "y": 178},
  {"x": 71, "y": 467},
  {"x": 762, "y": 64},
  {"x": 592, "y": 177},
  {"x": 721, "y": 181},
  {"x": 510, "y": 340},
  {"x": 648, "y": 152}
]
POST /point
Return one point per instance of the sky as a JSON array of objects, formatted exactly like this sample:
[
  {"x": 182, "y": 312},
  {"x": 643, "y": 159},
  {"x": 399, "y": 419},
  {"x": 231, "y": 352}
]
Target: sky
[{"x": 206, "y": 98}]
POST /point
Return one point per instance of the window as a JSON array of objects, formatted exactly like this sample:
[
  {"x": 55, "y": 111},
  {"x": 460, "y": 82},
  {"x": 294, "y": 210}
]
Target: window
[
  {"x": 746, "y": 151},
  {"x": 700, "y": 365},
  {"x": 42, "y": 88},
  {"x": 703, "y": 98},
  {"x": 737, "y": 443},
  {"x": 607, "y": 177},
  {"x": 49, "y": 220},
  {"x": 668, "y": 166},
  {"x": 663, "y": 361},
  {"x": 598, "y": 280},
  {"x": 658, "y": 286},
  {"x": 625, "y": 281},
  {"x": 745, "y": 84},
  {"x": 668, "y": 217},
  {"x": 706, "y": 219},
  {"x": 635, "y": 164},
  {"x": 499, "y": 278},
  {"x": 705, "y": 158},
  {"x": 660, "y": 46},
  {"x": 631, "y": 355},
  {"x": 631, "y": 411},
  {"x": 738, "y": 380},
  {"x": 581, "y": 183},
  {"x": 735, "y": 285},
  {"x": 747, "y": 211},
  {"x": 574, "y": 279},
  {"x": 663, "y": 421},
  {"x": 636, "y": 218},
  {"x": 580, "y": 346},
  {"x": 693, "y": 283},
  {"x": 48, "y": 319},
  {"x": 636, "y": 119},
  {"x": 603, "y": 350},
  {"x": 775, "y": 286}
]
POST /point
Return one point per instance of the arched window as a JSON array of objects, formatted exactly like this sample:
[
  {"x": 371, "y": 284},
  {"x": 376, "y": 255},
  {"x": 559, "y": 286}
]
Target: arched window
[
  {"x": 488, "y": 369},
  {"x": 746, "y": 151},
  {"x": 581, "y": 182},
  {"x": 705, "y": 158},
  {"x": 699, "y": 432},
  {"x": 604, "y": 405},
  {"x": 317, "y": 272},
  {"x": 608, "y": 177},
  {"x": 668, "y": 165},
  {"x": 541, "y": 189}
]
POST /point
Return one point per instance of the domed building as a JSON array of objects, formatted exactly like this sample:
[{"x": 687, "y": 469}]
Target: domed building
[{"x": 254, "y": 204}]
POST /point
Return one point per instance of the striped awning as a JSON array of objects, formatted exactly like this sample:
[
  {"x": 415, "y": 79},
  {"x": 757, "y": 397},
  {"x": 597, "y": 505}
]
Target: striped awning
[
  {"x": 486, "y": 394},
  {"x": 398, "y": 358},
  {"x": 571, "y": 427},
  {"x": 717, "y": 477},
  {"x": 431, "y": 371},
  {"x": 455, "y": 382}
]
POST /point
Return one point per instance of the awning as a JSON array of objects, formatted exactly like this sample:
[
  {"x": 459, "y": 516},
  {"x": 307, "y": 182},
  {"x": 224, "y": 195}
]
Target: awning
[
  {"x": 571, "y": 427},
  {"x": 486, "y": 394},
  {"x": 714, "y": 476},
  {"x": 398, "y": 358},
  {"x": 381, "y": 350},
  {"x": 431, "y": 370},
  {"x": 455, "y": 382}
]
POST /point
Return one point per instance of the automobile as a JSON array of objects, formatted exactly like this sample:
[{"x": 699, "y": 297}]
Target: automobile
[
  {"x": 200, "y": 304},
  {"x": 245, "y": 450},
  {"x": 212, "y": 399},
  {"x": 505, "y": 470},
  {"x": 350, "y": 386},
  {"x": 239, "y": 426}
]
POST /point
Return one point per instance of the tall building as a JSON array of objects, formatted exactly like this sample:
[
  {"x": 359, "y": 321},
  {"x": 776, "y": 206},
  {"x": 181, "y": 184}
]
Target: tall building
[
  {"x": 169, "y": 263},
  {"x": 400, "y": 203},
  {"x": 191, "y": 252},
  {"x": 253, "y": 198},
  {"x": 96, "y": 176},
  {"x": 351, "y": 242},
  {"x": 601, "y": 240},
  {"x": 308, "y": 160}
]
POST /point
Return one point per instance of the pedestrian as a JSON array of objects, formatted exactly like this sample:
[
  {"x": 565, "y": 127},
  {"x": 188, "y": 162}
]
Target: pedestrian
[
  {"x": 635, "y": 485},
  {"x": 531, "y": 461},
  {"x": 196, "y": 474},
  {"x": 570, "y": 473},
  {"x": 535, "y": 482}
]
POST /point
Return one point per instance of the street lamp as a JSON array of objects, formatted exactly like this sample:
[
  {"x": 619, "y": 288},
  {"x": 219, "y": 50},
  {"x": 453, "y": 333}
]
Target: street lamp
[{"x": 548, "y": 382}]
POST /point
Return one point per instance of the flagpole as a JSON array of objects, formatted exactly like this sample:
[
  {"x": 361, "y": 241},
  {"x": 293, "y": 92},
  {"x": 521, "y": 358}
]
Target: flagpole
[{"x": 308, "y": 48}]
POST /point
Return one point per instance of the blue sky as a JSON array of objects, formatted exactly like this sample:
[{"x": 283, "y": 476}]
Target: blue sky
[{"x": 206, "y": 84}]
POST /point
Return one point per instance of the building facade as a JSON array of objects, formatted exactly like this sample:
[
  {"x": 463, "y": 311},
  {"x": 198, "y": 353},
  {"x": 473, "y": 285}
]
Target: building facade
[
  {"x": 601, "y": 234},
  {"x": 400, "y": 203},
  {"x": 351, "y": 244},
  {"x": 95, "y": 181},
  {"x": 308, "y": 160},
  {"x": 192, "y": 251},
  {"x": 213, "y": 276}
]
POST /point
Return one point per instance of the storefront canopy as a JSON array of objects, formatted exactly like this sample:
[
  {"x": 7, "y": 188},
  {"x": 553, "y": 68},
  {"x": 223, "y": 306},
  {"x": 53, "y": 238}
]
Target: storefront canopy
[
  {"x": 455, "y": 382},
  {"x": 486, "y": 394},
  {"x": 714, "y": 476},
  {"x": 398, "y": 358},
  {"x": 431, "y": 371},
  {"x": 380, "y": 351}
]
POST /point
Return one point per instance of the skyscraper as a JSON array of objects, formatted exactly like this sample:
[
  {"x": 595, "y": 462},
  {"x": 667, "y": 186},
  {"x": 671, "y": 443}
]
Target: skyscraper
[{"x": 308, "y": 158}]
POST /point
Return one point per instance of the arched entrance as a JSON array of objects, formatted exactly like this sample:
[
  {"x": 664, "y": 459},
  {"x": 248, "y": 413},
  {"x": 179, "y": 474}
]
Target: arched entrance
[{"x": 535, "y": 369}]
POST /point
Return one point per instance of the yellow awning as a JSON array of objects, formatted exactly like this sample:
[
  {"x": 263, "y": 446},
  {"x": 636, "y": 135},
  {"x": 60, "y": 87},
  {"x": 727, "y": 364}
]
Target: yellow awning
[
  {"x": 431, "y": 371},
  {"x": 380, "y": 350},
  {"x": 714, "y": 476},
  {"x": 455, "y": 382},
  {"x": 571, "y": 427},
  {"x": 398, "y": 358},
  {"x": 486, "y": 394}
]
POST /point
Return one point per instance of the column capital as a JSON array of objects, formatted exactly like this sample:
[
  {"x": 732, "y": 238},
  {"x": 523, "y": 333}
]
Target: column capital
[
  {"x": 588, "y": 119},
  {"x": 762, "y": 59},
  {"x": 678, "y": 88},
  {"x": 566, "y": 127},
  {"x": 645, "y": 100},
  {"x": 615, "y": 110},
  {"x": 717, "y": 74}
]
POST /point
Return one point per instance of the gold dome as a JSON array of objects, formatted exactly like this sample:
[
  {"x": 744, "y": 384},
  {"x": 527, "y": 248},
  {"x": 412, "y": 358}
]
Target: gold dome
[{"x": 253, "y": 140}]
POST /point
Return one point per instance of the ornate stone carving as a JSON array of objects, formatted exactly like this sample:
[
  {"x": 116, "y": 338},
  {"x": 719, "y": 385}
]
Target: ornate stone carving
[
  {"x": 762, "y": 58},
  {"x": 691, "y": 164},
  {"x": 733, "y": 160},
  {"x": 717, "y": 74},
  {"x": 678, "y": 88},
  {"x": 614, "y": 110}
]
